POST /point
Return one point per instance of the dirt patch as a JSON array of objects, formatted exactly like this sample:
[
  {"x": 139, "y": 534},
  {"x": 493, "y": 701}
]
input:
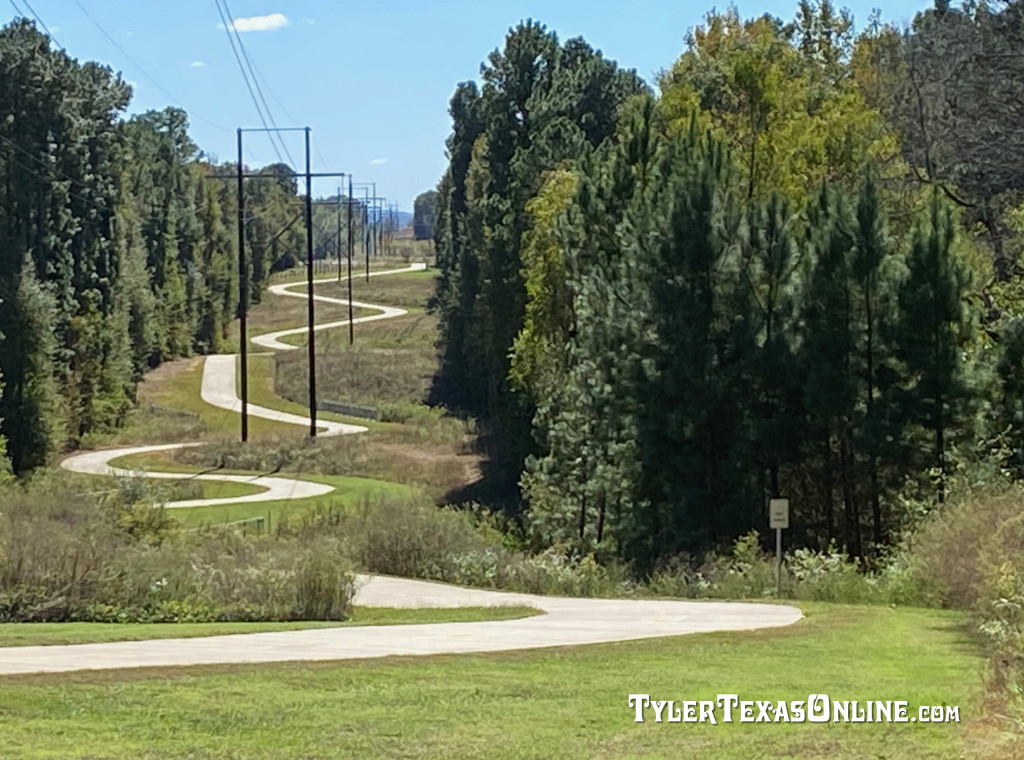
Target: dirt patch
[{"x": 168, "y": 372}]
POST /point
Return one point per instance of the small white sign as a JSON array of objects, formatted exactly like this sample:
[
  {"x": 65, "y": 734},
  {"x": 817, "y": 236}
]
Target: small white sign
[{"x": 778, "y": 513}]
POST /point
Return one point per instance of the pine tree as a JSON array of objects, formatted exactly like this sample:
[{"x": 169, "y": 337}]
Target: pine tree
[
  {"x": 827, "y": 358},
  {"x": 877, "y": 272},
  {"x": 932, "y": 326}
]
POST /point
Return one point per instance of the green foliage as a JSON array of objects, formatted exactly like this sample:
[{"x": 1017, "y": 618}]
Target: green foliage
[
  {"x": 64, "y": 557},
  {"x": 115, "y": 246},
  {"x": 424, "y": 222},
  {"x": 542, "y": 103},
  {"x": 737, "y": 290},
  {"x": 781, "y": 95},
  {"x": 538, "y": 349}
]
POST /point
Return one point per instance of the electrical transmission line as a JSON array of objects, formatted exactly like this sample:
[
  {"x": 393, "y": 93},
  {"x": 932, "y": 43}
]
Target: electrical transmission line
[
  {"x": 42, "y": 23},
  {"x": 228, "y": 26},
  {"x": 138, "y": 66},
  {"x": 37, "y": 17},
  {"x": 256, "y": 76}
]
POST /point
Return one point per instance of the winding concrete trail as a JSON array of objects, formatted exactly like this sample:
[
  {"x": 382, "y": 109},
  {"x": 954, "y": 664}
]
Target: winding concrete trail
[
  {"x": 278, "y": 489},
  {"x": 563, "y": 622},
  {"x": 219, "y": 388}
]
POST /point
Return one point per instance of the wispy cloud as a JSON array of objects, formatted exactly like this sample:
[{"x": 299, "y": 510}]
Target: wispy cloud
[
  {"x": 308, "y": 20},
  {"x": 197, "y": 64},
  {"x": 268, "y": 23},
  {"x": 378, "y": 161}
]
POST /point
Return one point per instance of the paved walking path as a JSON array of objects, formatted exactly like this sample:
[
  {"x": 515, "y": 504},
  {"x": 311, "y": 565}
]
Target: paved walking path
[
  {"x": 273, "y": 340},
  {"x": 278, "y": 489},
  {"x": 565, "y": 622},
  {"x": 219, "y": 388}
]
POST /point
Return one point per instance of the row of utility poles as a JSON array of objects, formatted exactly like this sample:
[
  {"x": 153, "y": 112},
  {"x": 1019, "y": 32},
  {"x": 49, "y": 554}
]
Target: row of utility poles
[{"x": 375, "y": 218}]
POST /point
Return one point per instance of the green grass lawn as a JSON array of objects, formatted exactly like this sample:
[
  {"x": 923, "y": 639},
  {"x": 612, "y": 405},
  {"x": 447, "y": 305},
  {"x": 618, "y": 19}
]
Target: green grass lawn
[
  {"x": 561, "y": 703},
  {"x": 208, "y": 489},
  {"x": 348, "y": 491},
  {"x": 47, "y": 634}
]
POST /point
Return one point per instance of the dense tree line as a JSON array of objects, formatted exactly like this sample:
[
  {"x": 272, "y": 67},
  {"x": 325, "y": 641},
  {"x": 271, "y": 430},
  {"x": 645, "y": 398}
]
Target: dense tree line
[
  {"x": 117, "y": 249},
  {"x": 780, "y": 276},
  {"x": 424, "y": 219}
]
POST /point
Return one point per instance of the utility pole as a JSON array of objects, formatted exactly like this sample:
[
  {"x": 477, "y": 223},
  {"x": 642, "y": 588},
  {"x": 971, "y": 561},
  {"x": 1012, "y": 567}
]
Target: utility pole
[
  {"x": 243, "y": 269},
  {"x": 309, "y": 285},
  {"x": 367, "y": 231},
  {"x": 243, "y": 294},
  {"x": 338, "y": 247},
  {"x": 351, "y": 240}
]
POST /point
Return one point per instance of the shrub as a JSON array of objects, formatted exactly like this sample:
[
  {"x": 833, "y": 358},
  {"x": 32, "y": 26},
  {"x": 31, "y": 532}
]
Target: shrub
[
  {"x": 70, "y": 557},
  {"x": 1000, "y": 605},
  {"x": 412, "y": 540}
]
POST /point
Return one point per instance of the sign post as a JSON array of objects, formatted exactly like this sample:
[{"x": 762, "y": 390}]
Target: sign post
[{"x": 778, "y": 516}]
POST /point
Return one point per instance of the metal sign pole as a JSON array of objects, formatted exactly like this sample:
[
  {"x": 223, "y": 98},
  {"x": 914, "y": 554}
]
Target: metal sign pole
[{"x": 778, "y": 518}]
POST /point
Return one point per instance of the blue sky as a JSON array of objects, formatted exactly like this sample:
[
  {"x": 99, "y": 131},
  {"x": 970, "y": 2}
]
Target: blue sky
[{"x": 372, "y": 79}]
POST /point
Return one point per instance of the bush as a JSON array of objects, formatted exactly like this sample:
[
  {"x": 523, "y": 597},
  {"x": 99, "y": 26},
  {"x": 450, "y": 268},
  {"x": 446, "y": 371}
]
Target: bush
[
  {"x": 65, "y": 556},
  {"x": 747, "y": 572},
  {"x": 1000, "y": 604},
  {"x": 413, "y": 540}
]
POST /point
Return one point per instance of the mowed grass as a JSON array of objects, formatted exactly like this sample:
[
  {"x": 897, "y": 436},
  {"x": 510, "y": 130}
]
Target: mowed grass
[
  {"x": 348, "y": 491},
  {"x": 560, "y": 703},
  {"x": 178, "y": 387},
  {"x": 50, "y": 634},
  {"x": 208, "y": 489}
]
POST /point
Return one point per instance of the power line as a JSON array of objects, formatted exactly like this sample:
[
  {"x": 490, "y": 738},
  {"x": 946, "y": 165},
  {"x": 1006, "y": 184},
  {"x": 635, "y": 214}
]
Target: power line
[
  {"x": 138, "y": 66},
  {"x": 256, "y": 81},
  {"x": 245, "y": 76},
  {"x": 41, "y": 22},
  {"x": 284, "y": 110}
]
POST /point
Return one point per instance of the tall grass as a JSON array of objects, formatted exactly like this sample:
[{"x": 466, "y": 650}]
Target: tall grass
[
  {"x": 340, "y": 455},
  {"x": 66, "y": 555}
]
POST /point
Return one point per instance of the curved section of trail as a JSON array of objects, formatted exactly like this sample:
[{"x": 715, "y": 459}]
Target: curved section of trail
[
  {"x": 564, "y": 622},
  {"x": 219, "y": 388},
  {"x": 278, "y": 489},
  {"x": 273, "y": 340}
]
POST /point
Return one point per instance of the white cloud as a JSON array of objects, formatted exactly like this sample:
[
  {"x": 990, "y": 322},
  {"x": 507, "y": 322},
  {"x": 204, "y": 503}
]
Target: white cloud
[
  {"x": 197, "y": 64},
  {"x": 308, "y": 20},
  {"x": 267, "y": 23},
  {"x": 378, "y": 161}
]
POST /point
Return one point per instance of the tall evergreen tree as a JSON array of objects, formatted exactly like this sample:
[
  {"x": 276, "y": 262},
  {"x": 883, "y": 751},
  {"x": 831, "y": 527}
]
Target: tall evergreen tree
[{"x": 932, "y": 327}]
